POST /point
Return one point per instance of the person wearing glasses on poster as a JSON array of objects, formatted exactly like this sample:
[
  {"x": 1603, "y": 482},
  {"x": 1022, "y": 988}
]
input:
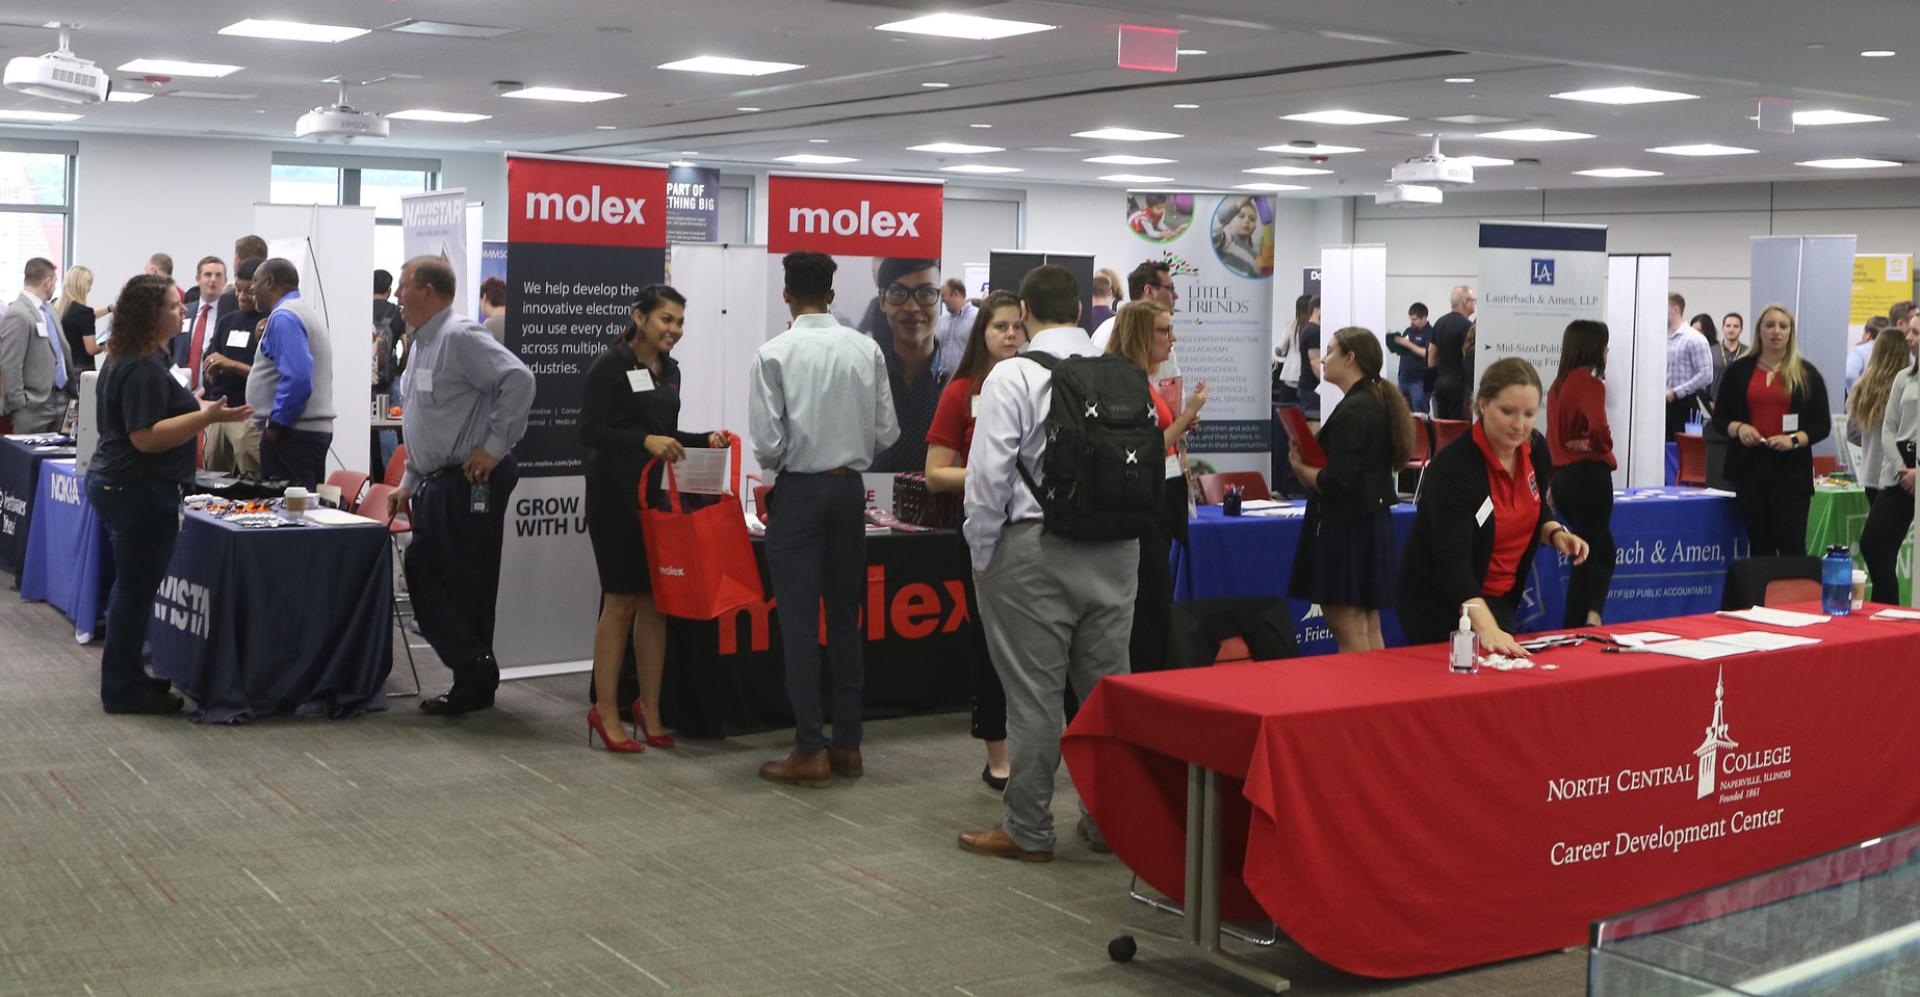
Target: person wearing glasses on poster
[{"x": 908, "y": 300}]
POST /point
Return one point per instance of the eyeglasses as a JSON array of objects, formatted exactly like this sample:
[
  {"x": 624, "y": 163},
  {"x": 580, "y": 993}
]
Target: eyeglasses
[{"x": 925, "y": 294}]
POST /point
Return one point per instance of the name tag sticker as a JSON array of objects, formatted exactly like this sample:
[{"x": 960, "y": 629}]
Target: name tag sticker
[
  {"x": 640, "y": 380},
  {"x": 422, "y": 380},
  {"x": 1790, "y": 423},
  {"x": 239, "y": 338},
  {"x": 973, "y": 405},
  {"x": 1173, "y": 465},
  {"x": 1486, "y": 510}
]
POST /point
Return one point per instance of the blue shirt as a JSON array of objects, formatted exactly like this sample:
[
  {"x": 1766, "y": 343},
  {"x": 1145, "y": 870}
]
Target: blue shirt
[
  {"x": 286, "y": 342},
  {"x": 820, "y": 399},
  {"x": 462, "y": 390}
]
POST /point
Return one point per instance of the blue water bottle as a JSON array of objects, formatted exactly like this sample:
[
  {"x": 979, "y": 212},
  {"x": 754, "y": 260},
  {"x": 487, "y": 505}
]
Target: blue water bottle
[{"x": 1836, "y": 581}]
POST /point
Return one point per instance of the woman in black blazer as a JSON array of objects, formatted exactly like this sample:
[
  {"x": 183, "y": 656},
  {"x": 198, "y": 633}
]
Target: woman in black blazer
[
  {"x": 1345, "y": 559},
  {"x": 1773, "y": 408},
  {"x": 1481, "y": 516}
]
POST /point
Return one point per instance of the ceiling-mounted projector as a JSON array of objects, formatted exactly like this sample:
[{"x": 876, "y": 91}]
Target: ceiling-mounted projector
[
  {"x": 340, "y": 122},
  {"x": 1406, "y": 194},
  {"x": 1433, "y": 170},
  {"x": 58, "y": 75}
]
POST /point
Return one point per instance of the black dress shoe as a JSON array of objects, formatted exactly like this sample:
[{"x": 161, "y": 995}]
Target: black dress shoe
[
  {"x": 159, "y": 706},
  {"x": 997, "y": 783},
  {"x": 455, "y": 702}
]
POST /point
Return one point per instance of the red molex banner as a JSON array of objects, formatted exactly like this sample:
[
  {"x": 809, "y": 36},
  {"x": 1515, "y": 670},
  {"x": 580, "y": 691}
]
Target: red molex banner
[
  {"x": 586, "y": 203},
  {"x": 853, "y": 217}
]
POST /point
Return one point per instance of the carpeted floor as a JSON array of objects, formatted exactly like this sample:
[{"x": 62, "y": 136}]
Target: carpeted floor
[{"x": 402, "y": 854}]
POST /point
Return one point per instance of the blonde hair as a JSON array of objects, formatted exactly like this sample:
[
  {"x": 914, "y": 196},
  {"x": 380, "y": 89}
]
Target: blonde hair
[
  {"x": 1867, "y": 405},
  {"x": 1133, "y": 332},
  {"x": 1116, "y": 288},
  {"x": 1793, "y": 373},
  {"x": 74, "y": 289}
]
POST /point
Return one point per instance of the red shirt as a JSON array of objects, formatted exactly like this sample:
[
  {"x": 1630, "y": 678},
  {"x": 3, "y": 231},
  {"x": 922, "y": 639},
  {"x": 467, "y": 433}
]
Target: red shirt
[
  {"x": 1577, "y": 420},
  {"x": 1767, "y": 403},
  {"x": 1163, "y": 414},
  {"x": 952, "y": 425},
  {"x": 1516, "y": 514}
]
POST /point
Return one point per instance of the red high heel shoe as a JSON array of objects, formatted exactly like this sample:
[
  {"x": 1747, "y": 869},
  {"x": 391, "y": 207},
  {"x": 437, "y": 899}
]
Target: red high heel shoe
[
  {"x": 640, "y": 728},
  {"x": 596, "y": 726}
]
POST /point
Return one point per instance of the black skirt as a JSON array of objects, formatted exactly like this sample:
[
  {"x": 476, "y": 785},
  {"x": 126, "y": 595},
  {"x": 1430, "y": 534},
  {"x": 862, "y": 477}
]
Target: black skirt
[
  {"x": 613, "y": 524},
  {"x": 1345, "y": 564}
]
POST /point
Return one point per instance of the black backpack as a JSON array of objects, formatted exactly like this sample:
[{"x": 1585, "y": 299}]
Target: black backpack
[{"x": 1103, "y": 457}]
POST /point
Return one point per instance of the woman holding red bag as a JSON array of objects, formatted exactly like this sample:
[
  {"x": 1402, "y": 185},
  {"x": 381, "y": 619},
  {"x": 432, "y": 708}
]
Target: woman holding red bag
[{"x": 630, "y": 414}]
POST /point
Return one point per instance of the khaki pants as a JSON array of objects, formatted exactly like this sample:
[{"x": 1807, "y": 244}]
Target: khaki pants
[{"x": 232, "y": 446}]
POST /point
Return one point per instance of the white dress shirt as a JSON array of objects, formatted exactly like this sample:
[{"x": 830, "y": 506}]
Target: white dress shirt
[
  {"x": 1008, "y": 425},
  {"x": 954, "y": 330},
  {"x": 820, "y": 399}
]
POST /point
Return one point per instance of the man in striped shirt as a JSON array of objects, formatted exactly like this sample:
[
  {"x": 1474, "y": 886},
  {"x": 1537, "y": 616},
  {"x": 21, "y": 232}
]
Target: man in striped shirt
[{"x": 1689, "y": 365}]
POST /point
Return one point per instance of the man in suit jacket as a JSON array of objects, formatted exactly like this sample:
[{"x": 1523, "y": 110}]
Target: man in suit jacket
[
  {"x": 206, "y": 304},
  {"x": 33, "y": 363}
]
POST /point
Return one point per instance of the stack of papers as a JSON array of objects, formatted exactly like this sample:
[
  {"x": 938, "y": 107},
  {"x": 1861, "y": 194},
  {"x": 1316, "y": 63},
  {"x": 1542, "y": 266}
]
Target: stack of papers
[
  {"x": 1723, "y": 645},
  {"x": 1254, "y": 505},
  {"x": 1282, "y": 511},
  {"x": 1774, "y": 617},
  {"x": 1910, "y": 615},
  {"x": 338, "y": 517},
  {"x": 1643, "y": 637}
]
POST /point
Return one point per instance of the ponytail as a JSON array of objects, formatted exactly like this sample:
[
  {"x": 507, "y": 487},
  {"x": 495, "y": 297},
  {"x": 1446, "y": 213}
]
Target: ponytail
[{"x": 1364, "y": 348}]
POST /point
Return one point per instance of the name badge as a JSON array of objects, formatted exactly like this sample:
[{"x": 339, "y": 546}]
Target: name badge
[
  {"x": 973, "y": 405},
  {"x": 640, "y": 380},
  {"x": 1173, "y": 465},
  {"x": 239, "y": 338},
  {"x": 422, "y": 379},
  {"x": 41, "y": 329},
  {"x": 1486, "y": 510},
  {"x": 1790, "y": 423}
]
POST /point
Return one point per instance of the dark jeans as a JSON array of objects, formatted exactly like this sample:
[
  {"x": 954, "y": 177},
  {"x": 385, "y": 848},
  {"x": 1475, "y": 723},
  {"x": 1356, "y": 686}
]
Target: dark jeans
[
  {"x": 1776, "y": 518},
  {"x": 1583, "y": 493},
  {"x": 1449, "y": 397},
  {"x": 1415, "y": 392},
  {"x": 299, "y": 457},
  {"x": 142, "y": 520},
  {"x": 816, "y": 549},
  {"x": 1887, "y": 525},
  {"x": 453, "y": 562}
]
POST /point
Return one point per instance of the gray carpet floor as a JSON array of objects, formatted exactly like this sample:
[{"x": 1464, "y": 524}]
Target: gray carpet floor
[{"x": 401, "y": 854}]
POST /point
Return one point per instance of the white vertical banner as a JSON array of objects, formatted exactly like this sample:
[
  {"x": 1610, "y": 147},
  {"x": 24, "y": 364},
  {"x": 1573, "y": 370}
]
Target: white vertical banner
[
  {"x": 1534, "y": 279},
  {"x": 470, "y": 276},
  {"x": 435, "y": 224},
  {"x": 1637, "y": 368},
  {"x": 725, "y": 287},
  {"x": 332, "y": 248},
  {"x": 1353, "y": 292}
]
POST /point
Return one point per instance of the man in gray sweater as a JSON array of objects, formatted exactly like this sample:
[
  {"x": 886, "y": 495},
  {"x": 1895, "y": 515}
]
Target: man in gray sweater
[{"x": 291, "y": 384}]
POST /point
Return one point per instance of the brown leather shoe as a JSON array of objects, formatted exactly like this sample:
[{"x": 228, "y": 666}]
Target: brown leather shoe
[
  {"x": 810, "y": 771},
  {"x": 845, "y": 763},
  {"x": 997, "y": 844}
]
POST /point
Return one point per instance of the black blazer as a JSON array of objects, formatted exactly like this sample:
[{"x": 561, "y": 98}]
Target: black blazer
[
  {"x": 615, "y": 420},
  {"x": 1446, "y": 557},
  {"x": 1792, "y": 470},
  {"x": 1358, "y": 480}
]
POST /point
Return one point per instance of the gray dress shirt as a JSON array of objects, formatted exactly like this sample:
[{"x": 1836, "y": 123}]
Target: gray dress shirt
[
  {"x": 820, "y": 399},
  {"x": 462, "y": 390}
]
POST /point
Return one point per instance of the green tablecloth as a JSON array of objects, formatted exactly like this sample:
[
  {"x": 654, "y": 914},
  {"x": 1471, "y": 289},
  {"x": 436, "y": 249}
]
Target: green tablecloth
[{"x": 1836, "y": 517}]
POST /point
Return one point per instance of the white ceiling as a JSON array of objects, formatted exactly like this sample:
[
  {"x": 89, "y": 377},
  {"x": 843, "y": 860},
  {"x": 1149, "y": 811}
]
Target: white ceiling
[{"x": 861, "y": 89}]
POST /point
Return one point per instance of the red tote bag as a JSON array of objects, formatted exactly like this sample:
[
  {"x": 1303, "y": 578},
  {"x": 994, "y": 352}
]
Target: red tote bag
[{"x": 701, "y": 561}]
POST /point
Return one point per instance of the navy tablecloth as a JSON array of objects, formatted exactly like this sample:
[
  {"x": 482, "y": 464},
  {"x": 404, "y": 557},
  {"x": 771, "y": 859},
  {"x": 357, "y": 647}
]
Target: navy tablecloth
[
  {"x": 298, "y": 620},
  {"x": 67, "y": 563},
  {"x": 1674, "y": 546},
  {"x": 19, "y": 477}
]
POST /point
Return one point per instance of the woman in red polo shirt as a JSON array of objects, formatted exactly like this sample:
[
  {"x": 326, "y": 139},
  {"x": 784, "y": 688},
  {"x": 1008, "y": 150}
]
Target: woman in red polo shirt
[
  {"x": 1773, "y": 408},
  {"x": 1582, "y": 447},
  {"x": 997, "y": 334},
  {"x": 1480, "y": 518}
]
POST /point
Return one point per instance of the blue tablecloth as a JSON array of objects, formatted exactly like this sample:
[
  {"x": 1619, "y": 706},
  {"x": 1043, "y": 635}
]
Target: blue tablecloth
[
  {"x": 19, "y": 477},
  {"x": 1674, "y": 546},
  {"x": 298, "y": 620},
  {"x": 67, "y": 563}
]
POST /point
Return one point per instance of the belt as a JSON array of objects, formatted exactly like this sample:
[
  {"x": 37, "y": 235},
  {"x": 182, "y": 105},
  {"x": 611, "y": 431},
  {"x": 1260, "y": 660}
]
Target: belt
[{"x": 841, "y": 472}]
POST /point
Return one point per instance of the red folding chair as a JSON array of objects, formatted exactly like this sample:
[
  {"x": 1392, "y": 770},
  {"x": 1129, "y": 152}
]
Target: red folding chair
[
  {"x": 374, "y": 507},
  {"x": 350, "y": 483},
  {"x": 396, "y": 467}
]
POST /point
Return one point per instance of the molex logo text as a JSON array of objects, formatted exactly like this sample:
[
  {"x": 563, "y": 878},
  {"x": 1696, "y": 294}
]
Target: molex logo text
[
  {"x": 846, "y": 221},
  {"x": 586, "y": 208}
]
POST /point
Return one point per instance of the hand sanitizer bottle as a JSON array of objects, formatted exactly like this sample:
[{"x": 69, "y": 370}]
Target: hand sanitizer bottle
[{"x": 1462, "y": 652}]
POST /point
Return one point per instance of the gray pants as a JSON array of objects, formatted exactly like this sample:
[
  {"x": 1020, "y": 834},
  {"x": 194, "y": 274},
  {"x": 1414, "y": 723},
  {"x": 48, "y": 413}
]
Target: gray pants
[{"x": 1055, "y": 611}]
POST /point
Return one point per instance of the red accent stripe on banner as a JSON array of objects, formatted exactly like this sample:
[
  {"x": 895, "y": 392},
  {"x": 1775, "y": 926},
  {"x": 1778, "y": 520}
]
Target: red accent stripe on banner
[
  {"x": 849, "y": 217},
  {"x": 586, "y": 203}
]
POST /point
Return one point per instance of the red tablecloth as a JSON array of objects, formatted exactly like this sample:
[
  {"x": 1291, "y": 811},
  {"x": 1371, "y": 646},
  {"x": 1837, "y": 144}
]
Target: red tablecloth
[{"x": 1396, "y": 819}]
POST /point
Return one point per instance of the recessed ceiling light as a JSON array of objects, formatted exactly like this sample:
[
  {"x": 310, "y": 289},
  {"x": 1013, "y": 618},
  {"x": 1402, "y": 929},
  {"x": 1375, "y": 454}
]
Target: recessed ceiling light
[
  {"x": 1535, "y": 135},
  {"x": 956, "y": 148},
  {"x": 1850, "y": 164},
  {"x": 1126, "y": 135},
  {"x": 1190, "y": 51},
  {"x": 729, "y": 66},
  {"x": 936, "y": 86},
  {"x": 603, "y": 128},
  {"x": 1128, "y": 160},
  {"x": 980, "y": 168},
  {"x": 1624, "y": 95},
  {"x": 445, "y": 117},
  {"x": 810, "y": 158},
  {"x": 128, "y": 97},
  {"x": 1479, "y": 161},
  {"x": 1311, "y": 149},
  {"x": 1287, "y": 171},
  {"x": 1828, "y": 116},
  {"x": 450, "y": 29},
  {"x": 1053, "y": 148},
  {"x": 47, "y": 117},
  {"x": 747, "y": 110},
  {"x": 1878, "y": 53},
  {"x": 1475, "y": 119},
  {"x": 679, "y": 162},
  {"x": 967, "y": 26},
  {"x": 1135, "y": 178},
  {"x": 979, "y": 124},
  {"x": 178, "y": 67},
  {"x": 1342, "y": 117},
  {"x": 1269, "y": 186},
  {"x": 493, "y": 141},
  {"x": 1617, "y": 173},
  {"x": 1185, "y": 107},
  {"x": 292, "y": 31},
  {"x": 1460, "y": 79},
  {"x": 1702, "y": 149},
  {"x": 562, "y": 94}
]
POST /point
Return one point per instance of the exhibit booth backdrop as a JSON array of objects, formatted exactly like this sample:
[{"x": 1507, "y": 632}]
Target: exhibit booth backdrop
[
  {"x": 1637, "y": 368},
  {"x": 1812, "y": 275},
  {"x": 1353, "y": 292},
  {"x": 332, "y": 247},
  {"x": 435, "y": 224},
  {"x": 1534, "y": 279}
]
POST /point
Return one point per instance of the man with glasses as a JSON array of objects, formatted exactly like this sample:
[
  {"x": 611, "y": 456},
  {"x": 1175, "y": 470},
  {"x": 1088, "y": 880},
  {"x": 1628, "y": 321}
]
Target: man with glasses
[
  {"x": 907, "y": 329},
  {"x": 1152, "y": 280}
]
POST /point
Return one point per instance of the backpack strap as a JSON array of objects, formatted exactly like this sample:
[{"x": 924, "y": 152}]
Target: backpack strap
[{"x": 1049, "y": 361}]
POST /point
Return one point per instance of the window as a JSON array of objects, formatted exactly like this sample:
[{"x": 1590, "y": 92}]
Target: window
[
  {"x": 303, "y": 178},
  {"x": 36, "y": 208}
]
